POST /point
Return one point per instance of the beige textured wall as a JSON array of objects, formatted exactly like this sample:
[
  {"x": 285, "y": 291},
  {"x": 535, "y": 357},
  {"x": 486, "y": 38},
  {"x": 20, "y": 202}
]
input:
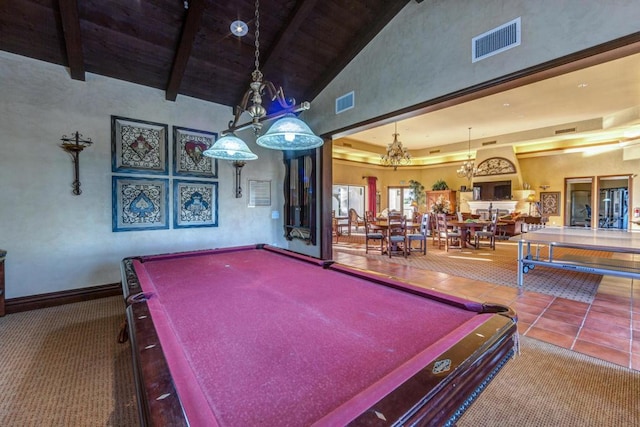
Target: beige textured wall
[
  {"x": 57, "y": 241},
  {"x": 425, "y": 52}
]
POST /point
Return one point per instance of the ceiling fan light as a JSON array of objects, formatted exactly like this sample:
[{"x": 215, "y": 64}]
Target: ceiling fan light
[
  {"x": 230, "y": 147},
  {"x": 289, "y": 133}
]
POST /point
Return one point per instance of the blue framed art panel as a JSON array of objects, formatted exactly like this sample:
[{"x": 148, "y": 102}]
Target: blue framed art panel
[
  {"x": 140, "y": 203},
  {"x": 188, "y": 146},
  {"x": 195, "y": 203},
  {"x": 138, "y": 146}
]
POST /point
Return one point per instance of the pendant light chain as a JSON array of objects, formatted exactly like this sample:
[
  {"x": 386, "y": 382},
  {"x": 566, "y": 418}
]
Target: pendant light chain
[{"x": 257, "y": 62}]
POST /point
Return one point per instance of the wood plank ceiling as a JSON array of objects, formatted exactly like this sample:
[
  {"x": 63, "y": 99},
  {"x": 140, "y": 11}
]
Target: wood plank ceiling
[{"x": 190, "y": 50}]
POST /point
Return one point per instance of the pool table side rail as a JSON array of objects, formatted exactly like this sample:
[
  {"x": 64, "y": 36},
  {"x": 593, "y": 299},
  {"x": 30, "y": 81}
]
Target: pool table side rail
[{"x": 157, "y": 397}]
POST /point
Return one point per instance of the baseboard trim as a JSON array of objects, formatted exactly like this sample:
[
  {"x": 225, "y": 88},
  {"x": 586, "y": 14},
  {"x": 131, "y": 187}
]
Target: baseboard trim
[{"x": 35, "y": 302}]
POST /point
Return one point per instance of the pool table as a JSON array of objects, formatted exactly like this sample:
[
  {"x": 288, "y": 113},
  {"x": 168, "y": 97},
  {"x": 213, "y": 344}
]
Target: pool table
[{"x": 258, "y": 335}]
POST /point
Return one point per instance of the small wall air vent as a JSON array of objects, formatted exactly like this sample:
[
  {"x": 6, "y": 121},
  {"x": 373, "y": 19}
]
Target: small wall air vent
[
  {"x": 495, "y": 41},
  {"x": 568, "y": 130},
  {"x": 345, "y": 102},
  {"x": 434, "y": 151},
  {"x": 489, "y": 143}
]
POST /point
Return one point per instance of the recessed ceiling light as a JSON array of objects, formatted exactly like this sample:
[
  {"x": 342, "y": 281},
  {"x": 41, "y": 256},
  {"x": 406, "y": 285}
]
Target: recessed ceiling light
[
  {"x": 506, "y": 104},
  {"x": 581, "y": 85},
  {"x": 239, "y": 28}
]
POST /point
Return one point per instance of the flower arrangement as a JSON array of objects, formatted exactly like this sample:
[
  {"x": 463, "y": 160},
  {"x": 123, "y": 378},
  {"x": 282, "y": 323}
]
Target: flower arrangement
[{"x": 441, "y": 205}]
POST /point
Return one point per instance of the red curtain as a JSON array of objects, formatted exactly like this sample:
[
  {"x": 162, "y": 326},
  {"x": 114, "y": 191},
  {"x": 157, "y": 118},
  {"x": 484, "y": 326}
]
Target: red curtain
[{"x": 372, "y": 193}]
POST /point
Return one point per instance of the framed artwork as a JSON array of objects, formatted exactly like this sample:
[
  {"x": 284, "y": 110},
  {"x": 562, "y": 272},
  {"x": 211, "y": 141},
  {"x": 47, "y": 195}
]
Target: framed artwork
[
  {"x": 138, "y": 146},
  {"x": 195, "y": 204},
  {"x": 550, "y": 203},
  {"x": 140, "y": 203},
  {"x": 188, "y": 145}
]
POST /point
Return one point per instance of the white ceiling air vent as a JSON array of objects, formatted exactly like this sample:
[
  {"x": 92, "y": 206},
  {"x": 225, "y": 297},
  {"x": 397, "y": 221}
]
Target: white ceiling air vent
[
  {"x": 345, "y": 102},
  {"x": 495, "y": 41}
]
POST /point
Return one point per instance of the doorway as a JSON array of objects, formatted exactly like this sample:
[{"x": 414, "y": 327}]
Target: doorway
[
  {"x": 400, "y": 199},
  {"x": 613, "y": 202},
  {"x": 579, "y": 205}
]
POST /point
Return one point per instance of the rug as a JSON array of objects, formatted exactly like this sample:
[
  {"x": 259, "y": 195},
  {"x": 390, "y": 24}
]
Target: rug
[{"x": 499, "y": 267}]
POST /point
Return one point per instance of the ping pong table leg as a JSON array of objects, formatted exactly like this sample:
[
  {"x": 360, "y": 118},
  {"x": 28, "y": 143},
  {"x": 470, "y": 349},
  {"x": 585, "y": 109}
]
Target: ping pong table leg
[{"x": 520, "y": 265}]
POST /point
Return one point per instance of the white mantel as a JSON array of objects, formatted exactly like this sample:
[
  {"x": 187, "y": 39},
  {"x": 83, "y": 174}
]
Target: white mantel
[{"x": 509, "y": 205}]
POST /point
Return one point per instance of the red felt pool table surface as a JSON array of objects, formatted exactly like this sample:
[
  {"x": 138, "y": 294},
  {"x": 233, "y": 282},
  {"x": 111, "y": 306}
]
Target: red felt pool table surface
[{"x": 261, "y": 336}]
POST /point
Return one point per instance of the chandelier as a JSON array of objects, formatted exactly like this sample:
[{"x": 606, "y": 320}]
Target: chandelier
[
  {"x": 288, "y": 133},
  {"x": 396, "y": 154},
  {"x": 468, "y": 168}
]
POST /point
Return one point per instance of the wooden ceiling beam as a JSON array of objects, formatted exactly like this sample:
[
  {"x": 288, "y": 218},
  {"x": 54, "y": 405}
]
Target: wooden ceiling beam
[
  {"x": 72, "y": 38},
  {"x": 189, "y": 31}
]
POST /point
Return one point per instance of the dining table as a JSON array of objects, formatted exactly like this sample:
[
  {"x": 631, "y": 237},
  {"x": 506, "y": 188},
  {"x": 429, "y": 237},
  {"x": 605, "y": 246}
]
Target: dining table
[{"x": 468, "y": 229}]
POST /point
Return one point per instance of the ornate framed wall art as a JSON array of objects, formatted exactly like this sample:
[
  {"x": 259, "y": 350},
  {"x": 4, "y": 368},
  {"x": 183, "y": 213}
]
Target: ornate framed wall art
[
  {"x": 138, "y": 146},
  {"x": 140, "y": 203},
  {"x": 188, "y": 145},
  {"x": 550, "y": 203},
  {"x": 195, "y": 204}
]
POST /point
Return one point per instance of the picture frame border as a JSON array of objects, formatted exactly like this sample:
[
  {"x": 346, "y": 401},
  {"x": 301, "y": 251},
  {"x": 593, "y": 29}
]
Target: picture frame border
[
  {"x": 116, "y": 204},
  {"x": 550, "y": 195},
  {"x": 177, "y": 153},
  {"x": 116, "y": 147},
  {"x": 177, "y": 223}
]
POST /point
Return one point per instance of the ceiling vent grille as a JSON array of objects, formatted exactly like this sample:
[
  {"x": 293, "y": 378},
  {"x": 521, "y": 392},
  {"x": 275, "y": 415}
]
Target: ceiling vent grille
[
  {"x": 345, "y": 102},
  {"x": 434, "y": 151},
  {"x": 489, "y": 143},
  {"x": 567, "y": 130},
  {"x": 495, "y": 41}
]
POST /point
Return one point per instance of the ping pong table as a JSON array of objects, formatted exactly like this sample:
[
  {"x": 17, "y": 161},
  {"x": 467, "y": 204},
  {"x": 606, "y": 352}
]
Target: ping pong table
[{"x": 607, "y": 240}]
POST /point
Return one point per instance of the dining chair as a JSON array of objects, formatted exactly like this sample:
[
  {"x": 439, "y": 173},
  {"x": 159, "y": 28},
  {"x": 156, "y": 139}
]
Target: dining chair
[
  {"x": 334, "y": 226},
  {"x": 355, "y": 220},
  {"x": 451, "y": 239},
  {"x": 396, "y": 235},
  {"x": 489, "y": 233},
  {"x": 373, "y": 234},
  {"x": 421, "y": 236}
]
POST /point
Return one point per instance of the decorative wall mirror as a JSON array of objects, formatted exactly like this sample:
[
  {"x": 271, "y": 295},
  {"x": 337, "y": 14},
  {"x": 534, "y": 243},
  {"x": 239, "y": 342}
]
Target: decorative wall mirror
[{"x": 300, "y": 195}]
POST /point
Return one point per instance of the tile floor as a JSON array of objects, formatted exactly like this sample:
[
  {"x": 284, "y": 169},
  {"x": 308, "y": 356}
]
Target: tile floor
[{"x": 608, "y": 328}]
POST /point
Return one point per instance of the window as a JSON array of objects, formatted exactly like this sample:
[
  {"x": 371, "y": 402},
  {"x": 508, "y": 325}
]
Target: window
[
  {"x": 346, "y": 197},
  {"x": 400, "y": 199}
]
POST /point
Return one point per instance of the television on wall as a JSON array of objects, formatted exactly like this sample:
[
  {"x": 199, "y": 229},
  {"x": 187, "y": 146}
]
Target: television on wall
[{"x": 495, "y": 190}]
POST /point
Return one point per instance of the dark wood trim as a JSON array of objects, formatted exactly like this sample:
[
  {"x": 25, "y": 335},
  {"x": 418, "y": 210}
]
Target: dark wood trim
[
  {"x": 34, "y": 302},
  {"x": 72, "y": 38},
  {"x": 605, "y": 52},
  {"x": 326, "y": 191},
  {"x": 189, "y": 31}
]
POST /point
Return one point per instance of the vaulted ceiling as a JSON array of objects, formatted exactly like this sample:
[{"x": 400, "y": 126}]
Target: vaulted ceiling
[{"x": 185, "y": 47}]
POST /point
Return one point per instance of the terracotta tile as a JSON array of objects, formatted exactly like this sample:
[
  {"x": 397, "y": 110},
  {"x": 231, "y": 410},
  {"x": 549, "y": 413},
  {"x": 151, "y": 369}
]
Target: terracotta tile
[
  {"x": 635, "y": 344},
  {"x": 534, "y": 300},
  {"x": 568, "y": 306},
  {"x": 607, "y": 327},
  {"x": 560, "y": 340},
  {"x": 525, "y": 308},
  {"x": 557, "y": 326},
  {"x": 605, "y": 353},
  {"x": 563, "y": 317},
  {"x": 624, "y": 305},
  {"x": 523, "y": 327},
  {"x": 607, "y": 318},
  {"x": 526, "y": 317},
  {"x": 635, "y": 362},
  {"x": 605, "y": 339}
]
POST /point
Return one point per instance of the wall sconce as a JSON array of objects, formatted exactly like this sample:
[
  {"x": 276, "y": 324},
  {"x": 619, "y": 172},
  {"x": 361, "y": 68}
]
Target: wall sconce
[
  {"x": 238, "y": 164},
  {"x": 544, "y": 187},
  {"x": 74, "y": 146}
]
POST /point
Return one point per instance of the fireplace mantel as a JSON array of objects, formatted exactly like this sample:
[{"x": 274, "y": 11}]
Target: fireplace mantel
[{"x": 508, "y": 205}]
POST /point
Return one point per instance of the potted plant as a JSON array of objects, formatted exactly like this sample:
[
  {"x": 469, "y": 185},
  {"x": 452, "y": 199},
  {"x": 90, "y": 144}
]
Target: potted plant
[
  {"x": 419, "y": 196},
  {"x": 439, "y": 185}
]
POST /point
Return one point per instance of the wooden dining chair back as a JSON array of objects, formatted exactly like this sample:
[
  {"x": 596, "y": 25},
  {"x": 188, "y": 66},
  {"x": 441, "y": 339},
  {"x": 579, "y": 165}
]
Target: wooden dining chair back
[
  {"x": 420, "y": 236},
  {"x": 374, "y": 237},
  {"x": 396, "y": 235},
  {"x": 488, "y": 233},
  {"x": 355, "y": 220},
  {"x": 447, "y": 236}
]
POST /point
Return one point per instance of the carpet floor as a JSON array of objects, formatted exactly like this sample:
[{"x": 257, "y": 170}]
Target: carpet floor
[
  {"x": 499, "y": 267},
  {"x": 62, "y": 366}
]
